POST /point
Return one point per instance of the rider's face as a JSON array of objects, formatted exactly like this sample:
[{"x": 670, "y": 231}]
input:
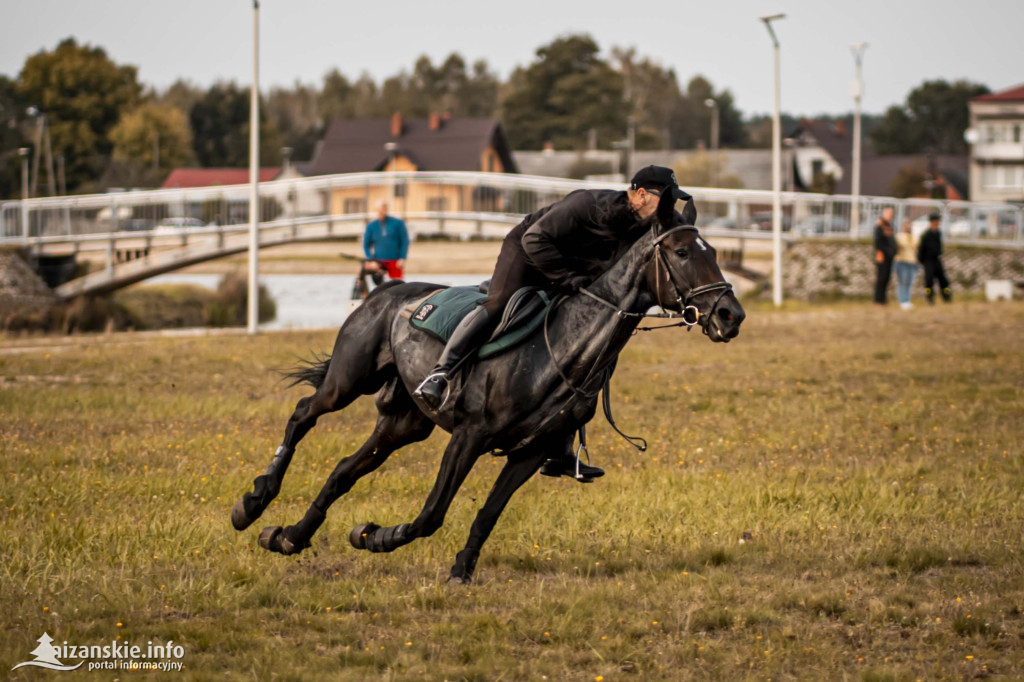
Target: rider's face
[{"x": 645, "y": 202}]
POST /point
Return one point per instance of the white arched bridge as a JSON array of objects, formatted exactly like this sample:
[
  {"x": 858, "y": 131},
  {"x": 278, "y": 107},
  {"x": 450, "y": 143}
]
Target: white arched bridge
[{"x": 147, "y": 233}]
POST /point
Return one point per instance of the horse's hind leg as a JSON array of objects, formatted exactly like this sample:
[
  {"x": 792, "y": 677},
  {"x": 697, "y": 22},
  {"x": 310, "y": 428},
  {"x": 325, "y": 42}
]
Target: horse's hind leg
[
  {"x": 518, "y": 469},
  {"x": 344, "y": 380},
  {"x": 399, "y": 424},
  {"x": 459, "y": 457}
]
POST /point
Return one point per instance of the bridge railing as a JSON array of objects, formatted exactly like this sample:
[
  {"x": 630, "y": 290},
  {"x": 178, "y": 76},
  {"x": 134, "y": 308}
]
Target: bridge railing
[{"x": 462, "y": 203}]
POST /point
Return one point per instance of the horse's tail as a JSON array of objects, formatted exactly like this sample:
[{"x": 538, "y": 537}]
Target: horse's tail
[{"x": 312, "y": 372}]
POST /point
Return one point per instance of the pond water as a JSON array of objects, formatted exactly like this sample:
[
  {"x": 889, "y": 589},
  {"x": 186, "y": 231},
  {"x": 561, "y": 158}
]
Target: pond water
[{"x": 309, "y": 301}]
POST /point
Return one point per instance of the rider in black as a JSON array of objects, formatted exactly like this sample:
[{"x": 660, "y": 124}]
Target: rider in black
[{"x": 569, "y": 244}]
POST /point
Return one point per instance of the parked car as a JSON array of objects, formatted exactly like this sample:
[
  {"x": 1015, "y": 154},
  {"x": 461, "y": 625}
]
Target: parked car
[
  {"x": 726, "y": 222},
  {"x": 823, "y": 224},
  {"x": 178, "y": 225},
  {"x": 763, "y": 221}
]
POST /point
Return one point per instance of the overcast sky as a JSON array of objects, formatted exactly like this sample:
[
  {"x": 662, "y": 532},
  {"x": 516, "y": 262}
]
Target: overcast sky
[{"x": 208, "y": 40}]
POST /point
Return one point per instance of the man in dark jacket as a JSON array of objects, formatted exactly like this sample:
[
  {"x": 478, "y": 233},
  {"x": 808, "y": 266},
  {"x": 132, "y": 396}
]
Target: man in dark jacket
[
  {"x": 929, "y": 254},
  {"x": 567, "y": 245},
  {"x": 885, "y": 251}
]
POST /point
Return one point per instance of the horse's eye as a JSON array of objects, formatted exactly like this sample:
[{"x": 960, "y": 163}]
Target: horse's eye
[{"x": 681, "y": 253}]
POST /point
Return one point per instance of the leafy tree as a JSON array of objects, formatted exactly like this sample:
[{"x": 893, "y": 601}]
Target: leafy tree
[
  {"x": 341, "y": 99},
  {"x": 704, "y": 170},
  {"x": 653, "y": 96},
  {"x": 909, "y": 182},
  {"x": 567, "y": 91},
  {"x": 691, "y": 122},
  {"x": 933, "y": 119},
  {"x": 12, "y": 113},
  {"x": 149, "y": 141},
  {"x": 83, "y": 94},
  {"x": 294, "y": 113},
  {"x": 180, "y": 94},
  {"x": 220, "y": 129}
]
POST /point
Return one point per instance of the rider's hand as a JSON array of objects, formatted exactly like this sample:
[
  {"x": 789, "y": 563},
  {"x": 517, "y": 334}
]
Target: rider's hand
[{"x": 400, "y": 263}]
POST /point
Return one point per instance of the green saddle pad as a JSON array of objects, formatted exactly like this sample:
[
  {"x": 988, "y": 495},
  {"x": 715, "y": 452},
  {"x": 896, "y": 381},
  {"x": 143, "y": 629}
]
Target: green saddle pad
[{"x": 440, "y": 314}]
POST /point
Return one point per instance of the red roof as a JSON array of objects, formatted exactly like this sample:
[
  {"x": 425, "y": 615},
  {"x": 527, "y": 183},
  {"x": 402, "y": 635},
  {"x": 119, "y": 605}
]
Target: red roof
[
  {"x": 212, "y": 177},
  {"x": 1014, "y": 94}
]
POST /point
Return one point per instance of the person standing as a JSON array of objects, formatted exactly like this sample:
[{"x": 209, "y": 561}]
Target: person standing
[
  {"x": 906, "y": 264},
  {"x": 929, "y": 254},
  {"x": 386, "y": 241},
  {"x": 885, "y": 250}
]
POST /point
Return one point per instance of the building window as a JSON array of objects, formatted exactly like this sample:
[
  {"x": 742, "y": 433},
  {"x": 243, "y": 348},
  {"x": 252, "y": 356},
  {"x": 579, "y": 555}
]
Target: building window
[
  {"x": 355, "y": 205},
  {"x": 437, "y": 204},
  {"x": 1002, "y": 177},
  {"x": 400, "y": 191},
  {"x": 1016, "y": 132},
  {"x": 817, "y": 167}
]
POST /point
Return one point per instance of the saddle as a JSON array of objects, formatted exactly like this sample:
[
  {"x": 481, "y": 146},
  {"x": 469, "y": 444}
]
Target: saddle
[{"x": 440, "y": 313}]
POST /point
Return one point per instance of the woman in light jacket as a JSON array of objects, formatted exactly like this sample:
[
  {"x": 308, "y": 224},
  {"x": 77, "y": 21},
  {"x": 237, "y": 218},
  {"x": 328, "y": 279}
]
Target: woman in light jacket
[{"x": 906, "y": 264}]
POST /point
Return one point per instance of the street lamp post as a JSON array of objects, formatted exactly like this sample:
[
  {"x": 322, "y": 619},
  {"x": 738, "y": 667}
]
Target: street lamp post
[
  {"x": 253, "y": 316},
  {"x": 776, "y": 172},
  {"x": 23, "y": 152},
  {"x": 857, "y": 90},
  {"x": 713, "y": 105}
]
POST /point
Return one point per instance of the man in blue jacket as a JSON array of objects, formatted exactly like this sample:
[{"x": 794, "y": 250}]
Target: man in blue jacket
[{"x": 386, "y": 241}]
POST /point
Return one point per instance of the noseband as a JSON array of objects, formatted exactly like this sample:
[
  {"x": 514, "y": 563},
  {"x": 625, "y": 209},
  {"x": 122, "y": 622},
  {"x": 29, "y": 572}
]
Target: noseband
[{"x": 690, "y": 313}]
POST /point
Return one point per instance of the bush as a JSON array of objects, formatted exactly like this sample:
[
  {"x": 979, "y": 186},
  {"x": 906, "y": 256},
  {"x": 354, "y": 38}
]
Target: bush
[{"x": 229, "y": 306}]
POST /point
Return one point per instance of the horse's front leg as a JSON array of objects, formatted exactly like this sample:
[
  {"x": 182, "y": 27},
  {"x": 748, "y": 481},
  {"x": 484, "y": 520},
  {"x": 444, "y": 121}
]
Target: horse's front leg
[
  {"x": 459, "y": 457},
  {"x": 518, "y": 469}
]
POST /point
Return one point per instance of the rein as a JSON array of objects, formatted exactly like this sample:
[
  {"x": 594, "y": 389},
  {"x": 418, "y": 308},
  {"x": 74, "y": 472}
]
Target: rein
[{"x": 685, "y": 307}]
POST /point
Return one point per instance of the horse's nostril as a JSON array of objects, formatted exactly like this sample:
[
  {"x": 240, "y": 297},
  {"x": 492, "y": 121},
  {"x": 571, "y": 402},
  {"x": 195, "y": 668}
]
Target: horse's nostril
[{"x": 725, "y": 314}]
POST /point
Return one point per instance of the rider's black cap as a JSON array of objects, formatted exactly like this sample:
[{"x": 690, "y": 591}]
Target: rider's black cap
[
  {"x": 934, "y": 216},
  {"x": 658, "y": 178}
]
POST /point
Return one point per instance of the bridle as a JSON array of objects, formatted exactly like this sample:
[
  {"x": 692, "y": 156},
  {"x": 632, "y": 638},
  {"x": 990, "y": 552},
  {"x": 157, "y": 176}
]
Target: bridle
[
  {"x": 688, "y": 320},
  {"x": 690, "y": 313}
]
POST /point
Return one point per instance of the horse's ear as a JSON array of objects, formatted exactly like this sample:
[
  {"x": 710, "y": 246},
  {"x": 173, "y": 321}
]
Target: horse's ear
[
  {"x": 666, "y": 208},
  {"x": 689, "y": 213}
]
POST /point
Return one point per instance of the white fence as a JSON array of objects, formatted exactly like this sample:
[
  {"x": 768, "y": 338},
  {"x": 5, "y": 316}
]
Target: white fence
[{"x": 485, "y": 204}]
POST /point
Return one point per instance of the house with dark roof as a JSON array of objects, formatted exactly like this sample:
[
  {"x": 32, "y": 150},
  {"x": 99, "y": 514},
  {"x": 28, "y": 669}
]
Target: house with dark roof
[
  {"x": 997, "y": 145},
  {"x": 821, "y": 149},
  {"x": 437, "y": 143}
]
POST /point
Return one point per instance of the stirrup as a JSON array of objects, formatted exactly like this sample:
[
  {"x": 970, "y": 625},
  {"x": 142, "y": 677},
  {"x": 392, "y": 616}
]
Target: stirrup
[
  {"x": 433, "y": 390},
  {"x": 432, "y": 377}
]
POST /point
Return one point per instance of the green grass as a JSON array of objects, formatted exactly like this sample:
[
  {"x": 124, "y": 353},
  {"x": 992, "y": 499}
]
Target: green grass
[{"x": 872, "y": 457}]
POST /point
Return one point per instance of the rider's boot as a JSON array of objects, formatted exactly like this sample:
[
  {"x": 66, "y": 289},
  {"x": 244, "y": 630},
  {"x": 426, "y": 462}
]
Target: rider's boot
[
  {"x": 464, "y": 340},
  {"x": 566, "y": 466}
]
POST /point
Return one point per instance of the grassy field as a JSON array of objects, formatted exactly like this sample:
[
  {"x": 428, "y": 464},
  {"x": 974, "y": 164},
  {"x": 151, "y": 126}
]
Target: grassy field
[{"x": 836, "y": 495}]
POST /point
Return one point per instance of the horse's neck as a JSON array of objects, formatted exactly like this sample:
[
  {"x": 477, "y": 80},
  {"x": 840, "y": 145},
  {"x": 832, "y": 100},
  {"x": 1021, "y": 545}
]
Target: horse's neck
[{"x": 603, "y": 332}]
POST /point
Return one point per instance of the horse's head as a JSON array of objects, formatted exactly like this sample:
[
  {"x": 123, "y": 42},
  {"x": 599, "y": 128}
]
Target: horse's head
[{"x": 684, "y": 275}]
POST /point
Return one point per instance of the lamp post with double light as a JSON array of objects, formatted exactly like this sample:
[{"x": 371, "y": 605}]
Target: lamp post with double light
[{"x": 857, "y": 90}]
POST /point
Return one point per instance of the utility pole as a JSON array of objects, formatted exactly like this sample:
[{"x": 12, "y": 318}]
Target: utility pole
[
  {"x": 776, "y": 172},
  {"x": 857, "y": 90},
  {"x": 23, "y": 152},
  {"x": 254, "y": 177},
  {"x": 713, "y": 105}
]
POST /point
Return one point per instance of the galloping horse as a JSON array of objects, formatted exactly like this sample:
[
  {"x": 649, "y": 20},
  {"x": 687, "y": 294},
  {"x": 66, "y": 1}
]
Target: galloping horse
[{"x": 527, "y": 402}]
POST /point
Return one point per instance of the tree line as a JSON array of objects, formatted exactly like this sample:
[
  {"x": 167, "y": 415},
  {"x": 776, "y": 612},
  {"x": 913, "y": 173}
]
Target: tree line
[{"x": 110, "y": 130}]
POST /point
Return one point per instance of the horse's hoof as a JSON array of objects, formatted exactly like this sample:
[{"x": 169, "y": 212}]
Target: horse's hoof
[
  {"x": 268, "y": 536},
  {"x": 460, "y": 579},
  {"x": 239, "y": 519},
  {"x": 286, "y": 545},
  {"x": 358, "y": 535}
]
